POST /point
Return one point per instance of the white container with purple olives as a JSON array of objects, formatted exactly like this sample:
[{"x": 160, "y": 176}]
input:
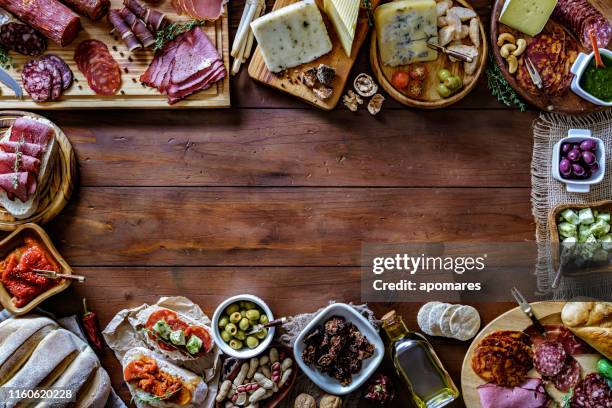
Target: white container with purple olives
[{"x": 579, "y": 160}]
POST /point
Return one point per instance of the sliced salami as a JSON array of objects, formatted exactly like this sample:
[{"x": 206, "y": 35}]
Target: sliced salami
[
  {"x": 569, "y": 375},
  {"x": 22, "y": 38},
  {"x": 549, "y": 358},
  {"x": 64, "y": 69},
  {"x": 101, "y": 70},
  {"x": 37, "y": 80},
  {"x": 57, "y": 85},
  {"x": 581, "y": 17},
  {"x": 592, "y": 392}
]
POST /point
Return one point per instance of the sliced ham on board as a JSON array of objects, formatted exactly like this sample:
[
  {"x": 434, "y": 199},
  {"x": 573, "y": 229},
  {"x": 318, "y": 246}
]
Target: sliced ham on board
[
  {"x": 185, "y": 65},
  {"x": 31, "y": 131},
  {"x": 530, "y": 394},
  {"x": 11, "y": 162},
  {"x": 200, "y": 9},
  {"x": 29, "y": 149},
  {"x": 21, "y": 185}
]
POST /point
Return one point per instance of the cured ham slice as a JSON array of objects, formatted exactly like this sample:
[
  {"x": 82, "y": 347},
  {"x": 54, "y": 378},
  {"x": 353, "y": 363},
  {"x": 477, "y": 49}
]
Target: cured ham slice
[
  {"x": 10, "y": 162},
  {"x": 29, "y": 149},
  {"x": 54, "y": 20},
  {"x": 128, "y": 37},
  {"x": 530, "y": 394},
  {"x": 200, "y": 9},
  {"x": 188, "y": 64},
  {"x": 31, "y": 131},
  {"x": 152, "y": 18},
  {"x": 21, "y": 185},
  {"x": 138, "y": 27}
]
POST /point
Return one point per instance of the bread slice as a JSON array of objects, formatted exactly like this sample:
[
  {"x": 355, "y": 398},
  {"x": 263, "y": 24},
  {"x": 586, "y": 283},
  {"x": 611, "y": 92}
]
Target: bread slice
[
  {"x": 20, "y": 209},
  {"x": 592, "y": 322},
  {"x": 191, "y": 381},
  {"x": 96, "y": 392}
]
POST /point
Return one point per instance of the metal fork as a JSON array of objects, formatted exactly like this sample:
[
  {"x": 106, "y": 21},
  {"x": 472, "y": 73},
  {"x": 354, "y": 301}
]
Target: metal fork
[
  {"x": 55, "y": 275},
  {"x": 526, "y": 308},
  {"x": 533, "y": 73}
]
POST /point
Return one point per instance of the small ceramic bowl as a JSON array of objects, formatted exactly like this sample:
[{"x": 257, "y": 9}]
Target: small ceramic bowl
[
  {"x": 244, "y": 352},
  {"x": 578, "y": 185},
  {"x": 578, "y": 68},
  {"x": 325, "y": 382}
]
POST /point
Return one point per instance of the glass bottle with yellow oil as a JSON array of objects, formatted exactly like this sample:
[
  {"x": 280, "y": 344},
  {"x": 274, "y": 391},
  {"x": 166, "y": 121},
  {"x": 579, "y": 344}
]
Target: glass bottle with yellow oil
[{"x": 417, "y": 365}]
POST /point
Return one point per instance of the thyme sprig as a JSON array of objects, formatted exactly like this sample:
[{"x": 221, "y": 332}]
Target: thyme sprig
[
  {"x": 5, "y": 60},
  {"x": 500, "y": 88},
  {"x": 173, "y": 30}
]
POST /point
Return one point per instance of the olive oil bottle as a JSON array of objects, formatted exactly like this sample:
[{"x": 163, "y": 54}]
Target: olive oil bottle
[{"x": 417, "y": 365}]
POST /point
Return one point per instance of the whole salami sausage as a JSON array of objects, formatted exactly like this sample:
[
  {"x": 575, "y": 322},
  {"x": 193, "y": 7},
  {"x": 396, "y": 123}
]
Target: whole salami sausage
[
  {"x": 54, "y": 20},
  {"x": 94, "y": 9},
  {"x": 22, "y": 38}
]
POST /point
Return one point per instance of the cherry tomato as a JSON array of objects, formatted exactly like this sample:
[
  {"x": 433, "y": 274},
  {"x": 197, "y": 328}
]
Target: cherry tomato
[
  {"x": 400, "y": 79},
  {"x": 415, "y": 90},
  {"x": 418, "y": 72}
]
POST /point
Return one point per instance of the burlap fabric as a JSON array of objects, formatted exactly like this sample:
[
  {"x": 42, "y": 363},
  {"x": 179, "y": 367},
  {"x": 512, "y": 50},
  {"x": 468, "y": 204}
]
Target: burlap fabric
[{"x": 547, "y": 193}]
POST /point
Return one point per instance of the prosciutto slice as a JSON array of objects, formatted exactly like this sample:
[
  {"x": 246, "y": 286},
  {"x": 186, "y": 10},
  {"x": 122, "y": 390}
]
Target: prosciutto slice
[
  {"x": 21, "y": 185},
  {"x": 530, "y": 394},
  {"x": 200, "y": 9},
  {"x": 29, "y": 149},
  {"x": 31, "y": 131},
  {"x": 10, "y": 162}
]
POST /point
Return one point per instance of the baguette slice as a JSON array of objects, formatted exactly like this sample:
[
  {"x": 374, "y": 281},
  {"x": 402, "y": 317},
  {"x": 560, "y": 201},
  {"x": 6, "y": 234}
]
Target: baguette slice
[
  {"x": 192, "y": 382},
  {"x": 20, "y": 209},
  {"x": 592, "y": 322},
  {"x": 96, "y": 392}
]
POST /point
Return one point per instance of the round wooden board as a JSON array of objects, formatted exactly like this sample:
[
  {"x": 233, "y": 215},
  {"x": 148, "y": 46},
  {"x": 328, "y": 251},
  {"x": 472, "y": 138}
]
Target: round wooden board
[
  {"x": 57, "y": 190},
  {"x": 515, "y": 319},
  {"x": 569, "y": 102},
  {"x": 431, "y": 99}
]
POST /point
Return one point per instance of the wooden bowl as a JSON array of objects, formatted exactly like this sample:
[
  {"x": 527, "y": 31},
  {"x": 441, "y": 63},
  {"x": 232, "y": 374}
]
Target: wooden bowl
[
  {"x": 553, "y": 217},
  {"x": 55, "y": 194},
  {"x": 15, "y": 240},
  {"x": 279, "y": 396},
  {"x": 569, "y": 102},
  {"x": 431, "y": 99}
]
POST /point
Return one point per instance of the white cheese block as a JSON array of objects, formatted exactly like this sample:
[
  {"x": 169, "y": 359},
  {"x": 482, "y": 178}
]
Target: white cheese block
[
  {"x": 344, "y": 14},
  {"x": 291, "y": 36},
  {"x": 403, "y": 29}
]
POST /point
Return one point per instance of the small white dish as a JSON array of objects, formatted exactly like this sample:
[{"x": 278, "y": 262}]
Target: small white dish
[
  {"x": 325, "y": 382},
  {"x": 578, "y": 68},
  {"x": 244, "y": 352},
  {"x": 579, "y": 186}
]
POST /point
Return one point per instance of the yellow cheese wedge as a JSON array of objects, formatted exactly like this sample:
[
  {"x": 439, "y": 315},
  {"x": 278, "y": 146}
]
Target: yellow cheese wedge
[
  {"x": 344, "y": 14},
  {"x": 403, "y": 29},
  {"x": 527, "y": 16}
]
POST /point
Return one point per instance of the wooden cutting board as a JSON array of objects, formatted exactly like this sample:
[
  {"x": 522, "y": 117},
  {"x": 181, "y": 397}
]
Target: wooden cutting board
[
  {"x": 515, "y": 319},
  {"x": 289, "y": 81},
  {"x": 569, "y": 102},
  {"x": 132, "y": 94}
]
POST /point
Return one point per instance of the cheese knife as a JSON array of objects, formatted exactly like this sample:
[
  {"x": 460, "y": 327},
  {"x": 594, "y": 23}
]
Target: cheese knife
[
  {"x": 459, "y": 55},
  {"x": 9, "y": 81},
  {"x": 259, "y": 327},
  {"x": 526, "y": 308}
]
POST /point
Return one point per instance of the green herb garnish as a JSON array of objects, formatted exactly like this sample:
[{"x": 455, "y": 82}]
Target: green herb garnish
[
  {"x": 173, "y": 30},
  {"x": 367, "y": 4},
  {"x": 500, "y": 88},
  {"x": 5, "y": 60},
  {"x": 156, "y": 398},
  {"x": 566, "y": 402}
]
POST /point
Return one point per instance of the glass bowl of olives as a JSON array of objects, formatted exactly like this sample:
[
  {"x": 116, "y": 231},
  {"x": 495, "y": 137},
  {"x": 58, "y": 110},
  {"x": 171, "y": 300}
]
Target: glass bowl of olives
[{"x": 234, "y": 319}]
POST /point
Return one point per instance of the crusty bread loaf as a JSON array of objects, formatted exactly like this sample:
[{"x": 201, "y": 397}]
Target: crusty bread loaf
[{"x": 592, "y": 322}]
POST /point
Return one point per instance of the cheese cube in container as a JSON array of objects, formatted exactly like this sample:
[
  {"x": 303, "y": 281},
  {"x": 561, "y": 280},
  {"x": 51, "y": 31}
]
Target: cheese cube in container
[
  {"x": 291, "y": 36},
  {"x": 403, "y": 29},
  {"x": 527, "y": 16}
]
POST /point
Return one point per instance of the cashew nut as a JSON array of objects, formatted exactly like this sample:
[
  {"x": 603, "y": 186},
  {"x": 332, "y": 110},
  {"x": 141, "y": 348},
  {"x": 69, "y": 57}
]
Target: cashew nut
[
  {"x": 503, "y": 37},
  {"x": 512, "y": 64},
  {"x": 506, "y": 49},
  {"x": 521, "y": 45}
]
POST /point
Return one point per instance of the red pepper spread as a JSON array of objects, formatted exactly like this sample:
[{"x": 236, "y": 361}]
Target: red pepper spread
[
  {"x": 147, "y": 376},
  {"x": 17, "y": 275}
]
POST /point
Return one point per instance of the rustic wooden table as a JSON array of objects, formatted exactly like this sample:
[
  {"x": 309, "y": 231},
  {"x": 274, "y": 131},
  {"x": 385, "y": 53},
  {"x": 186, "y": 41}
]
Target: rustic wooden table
[{"x": 274, "y": 198}]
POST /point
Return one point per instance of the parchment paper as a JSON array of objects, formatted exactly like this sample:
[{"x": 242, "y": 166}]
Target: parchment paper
[{"x": 121, "y": 335}]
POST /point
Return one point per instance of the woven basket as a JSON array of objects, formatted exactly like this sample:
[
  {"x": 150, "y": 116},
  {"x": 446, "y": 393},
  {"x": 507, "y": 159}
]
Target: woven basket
[{"x": 58, "y": 189}]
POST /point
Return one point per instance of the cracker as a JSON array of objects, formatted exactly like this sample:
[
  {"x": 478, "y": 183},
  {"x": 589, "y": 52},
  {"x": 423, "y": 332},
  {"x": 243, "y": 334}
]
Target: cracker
[
  {"x": 423, "y": 317},
  {"x": 465, "y": 323},
  {"x": 445, "y": 320},
  {"x": 434, "y": 318}
]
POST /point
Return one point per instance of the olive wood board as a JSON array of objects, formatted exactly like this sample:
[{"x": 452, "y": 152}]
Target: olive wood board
[
  {"x": 60, "y": 183},
  {"x": 430, "y": 98},
  {"x": 568, "y": 102},
  {"x": 133, "y": 94},
  {"x": 15, "y": 240},
  {"x": 289, "y": 80},
  {"x": 515, "y": 319}
]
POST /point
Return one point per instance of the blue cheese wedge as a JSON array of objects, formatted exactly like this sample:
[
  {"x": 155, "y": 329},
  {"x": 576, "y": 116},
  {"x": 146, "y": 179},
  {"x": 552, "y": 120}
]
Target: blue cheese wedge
[
  {"x": 403, "y": 29},
  {"x": 291, "y": 36}
]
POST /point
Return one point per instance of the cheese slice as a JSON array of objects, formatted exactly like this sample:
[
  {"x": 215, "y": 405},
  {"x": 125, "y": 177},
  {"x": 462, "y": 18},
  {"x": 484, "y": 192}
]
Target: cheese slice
[
  {"x": 344, "y": 14},
  {"x": 527, "y": 16},
  {"x": 291, "y": 36},
  {"x": 403, "y": 29}
]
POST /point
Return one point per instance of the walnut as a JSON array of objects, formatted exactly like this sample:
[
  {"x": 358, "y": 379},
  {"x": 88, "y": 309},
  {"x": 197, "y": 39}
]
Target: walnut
[
  {"x": 375, "y": 104},
  {"x": 309, "y": 77},
  {"x": 325, "y": 74},
  {"x": 365, "y": 85},
  {"x": 330, "y": 401},
  {"x": 323, "y": 92},
  {"x": 305, "y": 401},
  {"x": 352, "y": 101}
]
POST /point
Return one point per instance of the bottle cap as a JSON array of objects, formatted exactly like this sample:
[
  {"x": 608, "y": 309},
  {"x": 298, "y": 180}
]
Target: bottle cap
[{"x": 389, "y": 317}]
